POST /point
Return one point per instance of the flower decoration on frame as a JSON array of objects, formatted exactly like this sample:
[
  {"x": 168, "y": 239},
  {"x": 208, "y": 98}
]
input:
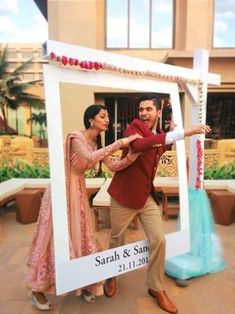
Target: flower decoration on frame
[
  {"x": 95, "y": 65},
  {"x": 200, "y": 157}
]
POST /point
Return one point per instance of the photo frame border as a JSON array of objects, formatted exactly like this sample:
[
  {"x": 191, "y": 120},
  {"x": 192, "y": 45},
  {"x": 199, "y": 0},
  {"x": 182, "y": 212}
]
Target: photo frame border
[{"x": 177, "y": 242}]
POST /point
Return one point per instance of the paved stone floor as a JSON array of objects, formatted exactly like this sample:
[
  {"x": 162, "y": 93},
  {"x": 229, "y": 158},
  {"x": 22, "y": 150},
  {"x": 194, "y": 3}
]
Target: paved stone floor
[{"x": 210, "y": 294}]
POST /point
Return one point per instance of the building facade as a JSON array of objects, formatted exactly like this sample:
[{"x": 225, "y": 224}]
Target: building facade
[
  {"x": 170, "y": 33},
  {"x": 165, "y": 31}
]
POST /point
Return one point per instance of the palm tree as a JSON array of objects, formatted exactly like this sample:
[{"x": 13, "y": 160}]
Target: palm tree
[
  {"x": 41, "y": 119},
  {"x": 13, "y": 92}
]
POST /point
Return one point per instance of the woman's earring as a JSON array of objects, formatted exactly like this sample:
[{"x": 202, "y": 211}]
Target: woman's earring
[{"x": 91, "y": 124}]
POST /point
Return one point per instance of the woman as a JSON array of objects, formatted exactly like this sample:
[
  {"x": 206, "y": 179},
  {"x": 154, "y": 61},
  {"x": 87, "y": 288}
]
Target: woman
[{"x": 82, "y": 151}]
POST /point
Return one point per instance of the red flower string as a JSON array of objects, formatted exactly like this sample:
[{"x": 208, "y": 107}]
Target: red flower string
[
  {"x": 86, "y": 65},
  {"x": 200, "y": 153},
  {"x": 90, "y": 65}
]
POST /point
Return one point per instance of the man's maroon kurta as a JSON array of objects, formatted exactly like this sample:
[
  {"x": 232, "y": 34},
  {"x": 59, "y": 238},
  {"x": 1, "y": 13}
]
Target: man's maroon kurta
[{"x": 132, "y": 186}]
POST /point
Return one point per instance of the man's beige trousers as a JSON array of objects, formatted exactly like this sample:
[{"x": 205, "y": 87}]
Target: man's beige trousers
[{"x": 151, "y": 220}]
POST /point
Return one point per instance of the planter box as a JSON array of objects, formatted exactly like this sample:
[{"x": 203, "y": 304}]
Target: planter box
[
  {"x": 223, "y": 207},
  {"x": 28, "y": 204}
]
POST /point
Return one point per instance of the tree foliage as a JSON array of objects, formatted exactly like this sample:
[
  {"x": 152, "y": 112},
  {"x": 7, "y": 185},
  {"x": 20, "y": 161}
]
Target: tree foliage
[{"x": 13, "y": 90}]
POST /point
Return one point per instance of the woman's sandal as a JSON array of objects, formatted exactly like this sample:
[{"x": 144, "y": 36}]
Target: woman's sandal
[
  {"x": 40, "y": 306},
  {"x": 88, "y": 296}
]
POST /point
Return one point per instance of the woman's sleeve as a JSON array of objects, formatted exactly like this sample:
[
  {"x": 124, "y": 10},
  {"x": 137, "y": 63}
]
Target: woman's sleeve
[
  {"x": 80, "y": 150},
  {"x": 118, "y": 165}
]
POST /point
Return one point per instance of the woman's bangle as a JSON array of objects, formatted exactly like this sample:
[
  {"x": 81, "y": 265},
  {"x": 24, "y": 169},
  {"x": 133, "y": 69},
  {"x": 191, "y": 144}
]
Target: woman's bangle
[{"x": 120, "y": 142}]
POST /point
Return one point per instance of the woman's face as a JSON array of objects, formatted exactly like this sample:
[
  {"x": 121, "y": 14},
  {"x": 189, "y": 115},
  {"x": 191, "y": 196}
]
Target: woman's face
[{"x": 101, "y": 120}]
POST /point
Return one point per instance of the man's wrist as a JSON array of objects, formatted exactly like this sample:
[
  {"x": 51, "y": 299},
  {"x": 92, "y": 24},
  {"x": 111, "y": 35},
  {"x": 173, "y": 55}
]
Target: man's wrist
[{"x": 187, "y": 132}]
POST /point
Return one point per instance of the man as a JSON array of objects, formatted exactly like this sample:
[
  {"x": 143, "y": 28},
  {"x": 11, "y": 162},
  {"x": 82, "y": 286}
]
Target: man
[{"x": 139, "y": 197}]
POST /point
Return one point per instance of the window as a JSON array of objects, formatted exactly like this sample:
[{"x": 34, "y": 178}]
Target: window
[
  {"x": 139, "y": 24},
  {"x": 122, "y": 110},
  {"x": 12, "y": 54},
  {"x": 28, "y": 76},
  {"x": 40, "y": 76},
  {"x": 221, "y": 115},
  {"x": 12, "y": 66},
  {"x": 224, "y": 24},
  {"x": 27, "y": 54},
  {"x": 21, "y": 120}
]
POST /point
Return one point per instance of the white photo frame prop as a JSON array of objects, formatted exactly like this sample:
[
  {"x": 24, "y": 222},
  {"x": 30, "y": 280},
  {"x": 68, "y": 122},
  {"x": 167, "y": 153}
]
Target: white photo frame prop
[{"x": 76, "y": 273}]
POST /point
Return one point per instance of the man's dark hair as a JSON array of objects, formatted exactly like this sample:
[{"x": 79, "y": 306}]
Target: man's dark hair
[{"x": 154, "y": 97}]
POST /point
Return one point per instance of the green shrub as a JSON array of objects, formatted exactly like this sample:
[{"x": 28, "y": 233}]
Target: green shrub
[
  {"x": 226, "y": 171},
  {"x": 21, "y": 169},
  {"x": 92, "y": 173}
]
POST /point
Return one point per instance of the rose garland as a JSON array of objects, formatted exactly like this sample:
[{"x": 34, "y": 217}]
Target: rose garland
[
  {"x": 74, "y": 62},
  {"x": 95, "y": 65},
  {"x": 200, "y": 143},
  {"x": 200, "y": 153}
]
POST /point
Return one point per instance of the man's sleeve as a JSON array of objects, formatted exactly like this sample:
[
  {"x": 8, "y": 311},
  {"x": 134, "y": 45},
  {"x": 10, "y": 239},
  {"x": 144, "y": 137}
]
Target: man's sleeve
[
  {"x": 173, "y": 136},
  {"x": 149, "y": 140}
]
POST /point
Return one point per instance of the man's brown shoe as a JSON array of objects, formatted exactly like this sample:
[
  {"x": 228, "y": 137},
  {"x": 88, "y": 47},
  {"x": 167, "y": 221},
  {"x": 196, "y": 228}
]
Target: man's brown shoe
[
  {"x": 110, "y": 287},
  {"x": 163, "y": 301}
]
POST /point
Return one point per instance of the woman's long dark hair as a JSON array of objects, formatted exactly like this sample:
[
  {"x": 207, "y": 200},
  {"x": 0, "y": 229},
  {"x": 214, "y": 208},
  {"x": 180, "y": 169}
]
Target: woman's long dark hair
[{"x": 90, "y": 113}]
